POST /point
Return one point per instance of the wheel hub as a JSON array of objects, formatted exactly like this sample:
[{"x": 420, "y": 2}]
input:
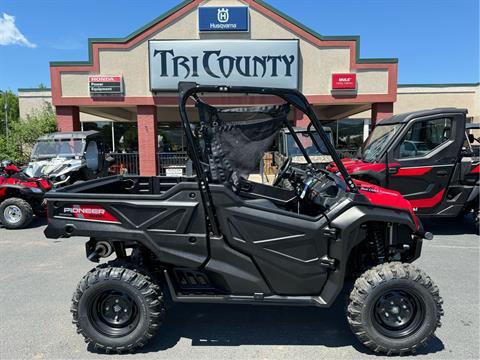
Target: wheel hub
[
  {"x": 398, "y": 313},
  {"x": 114, "y": 313},
  {"x": 12, "y": 214}
]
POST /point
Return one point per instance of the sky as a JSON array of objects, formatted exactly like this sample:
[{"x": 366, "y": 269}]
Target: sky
[{"x": 436, "y": 41}]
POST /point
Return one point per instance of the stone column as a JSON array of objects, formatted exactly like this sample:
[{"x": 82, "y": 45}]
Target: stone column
[
  {"x": 68, "y": 118},
  {"x": 381, "y": 111}
]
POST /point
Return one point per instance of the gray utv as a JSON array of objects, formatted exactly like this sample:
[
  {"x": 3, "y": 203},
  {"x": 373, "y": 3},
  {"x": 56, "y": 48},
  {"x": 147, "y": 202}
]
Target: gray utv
[{"x": 67, "y": 157}]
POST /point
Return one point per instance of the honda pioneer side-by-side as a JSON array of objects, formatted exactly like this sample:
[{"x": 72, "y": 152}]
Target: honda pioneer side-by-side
[
  {"x": 218, "y": 238},
  {"x": 427, "y": 157},
  {"x": 67, "y": 157}
]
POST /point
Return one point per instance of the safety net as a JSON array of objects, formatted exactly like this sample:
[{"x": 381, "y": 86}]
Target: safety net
[{"x": 235, "y": 139}]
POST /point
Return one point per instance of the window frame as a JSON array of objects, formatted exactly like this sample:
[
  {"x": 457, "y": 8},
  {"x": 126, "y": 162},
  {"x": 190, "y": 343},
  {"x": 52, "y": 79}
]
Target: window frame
[{"x": 434, "y": 151}]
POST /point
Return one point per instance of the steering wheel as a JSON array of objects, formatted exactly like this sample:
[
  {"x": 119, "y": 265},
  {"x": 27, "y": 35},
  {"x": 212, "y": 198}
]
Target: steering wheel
[{"x": 282, "y": 172}]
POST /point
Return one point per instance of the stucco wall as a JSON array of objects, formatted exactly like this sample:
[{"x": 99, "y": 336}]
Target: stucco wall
[
  {"x": 31, "y": 101},
  {"x": 317, "y": 64},
  {"x": 429, "y": 97},
  {"x": 35, "y": 99}
]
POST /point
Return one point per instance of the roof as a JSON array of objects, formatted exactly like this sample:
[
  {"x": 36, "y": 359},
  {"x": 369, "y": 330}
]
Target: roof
[
  {"x": 406, "y": 117},
  {"x": 472, "y": 126},
  {"x": 70, "y": 135}
]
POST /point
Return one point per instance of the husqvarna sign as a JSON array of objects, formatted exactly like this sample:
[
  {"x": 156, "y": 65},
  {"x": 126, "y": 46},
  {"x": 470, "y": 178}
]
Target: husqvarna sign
[
  {"x": 270, "y": 63},
  {"x": 224, "y": 18}
]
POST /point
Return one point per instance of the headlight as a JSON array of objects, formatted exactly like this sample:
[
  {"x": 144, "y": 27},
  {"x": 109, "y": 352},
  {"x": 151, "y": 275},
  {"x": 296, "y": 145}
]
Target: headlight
[
  {"x": 63, "y": 177},
  {"x": 36, "y": 190}
]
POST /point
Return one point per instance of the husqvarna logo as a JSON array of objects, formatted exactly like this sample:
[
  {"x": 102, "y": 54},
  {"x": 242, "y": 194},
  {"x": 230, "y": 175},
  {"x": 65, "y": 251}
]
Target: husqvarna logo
[
  {"x": 223, "y": 18},
  {"x": 222, "y": 15}
]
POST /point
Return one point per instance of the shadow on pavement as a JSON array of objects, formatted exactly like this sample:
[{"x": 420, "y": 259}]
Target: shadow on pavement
[
  {"x": 235, "y": 325},
  {"x": 36, "y": 222},
  {"x": 451, "y": 226}
]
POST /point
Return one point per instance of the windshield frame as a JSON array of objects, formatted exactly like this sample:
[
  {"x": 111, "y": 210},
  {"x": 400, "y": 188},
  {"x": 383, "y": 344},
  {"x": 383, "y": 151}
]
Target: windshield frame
[
  {"x": 387, "y": 136},
  {"x": 78, "y": 154},
  {"x": 289, "y": 144}
]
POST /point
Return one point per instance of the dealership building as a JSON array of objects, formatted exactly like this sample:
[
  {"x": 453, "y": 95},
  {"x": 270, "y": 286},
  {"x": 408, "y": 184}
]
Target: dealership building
[{"x": 127, "y": 87}]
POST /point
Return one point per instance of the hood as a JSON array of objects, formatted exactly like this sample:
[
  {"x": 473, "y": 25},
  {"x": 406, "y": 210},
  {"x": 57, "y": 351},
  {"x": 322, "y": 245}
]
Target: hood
[
  {"x": 380, "y": 196},
  {"x": 356, "y": 165},
  {"x": 52, "y": 167}
]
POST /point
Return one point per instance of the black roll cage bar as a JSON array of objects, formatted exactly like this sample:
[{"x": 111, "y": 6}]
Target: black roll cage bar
[{"x": 188, "y": 90}]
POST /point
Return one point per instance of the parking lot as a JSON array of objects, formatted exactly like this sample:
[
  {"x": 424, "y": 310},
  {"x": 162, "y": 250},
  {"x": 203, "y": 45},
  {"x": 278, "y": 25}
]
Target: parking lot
[{"x": 38, "y": 276}]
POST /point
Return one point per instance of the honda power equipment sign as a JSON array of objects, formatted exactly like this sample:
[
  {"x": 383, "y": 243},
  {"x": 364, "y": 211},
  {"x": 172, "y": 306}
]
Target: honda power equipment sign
[
  {"x": 269, "y": 63},
  {"x": 230, "y": 18},
  {"x": 105, "y": 85}
]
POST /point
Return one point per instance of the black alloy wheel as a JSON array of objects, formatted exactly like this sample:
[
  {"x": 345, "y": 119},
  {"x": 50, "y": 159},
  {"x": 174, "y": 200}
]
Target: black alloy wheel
[
  {"x": 114, "y": 313},
  {"x": 117, "y": 307},
  {"x": 398, "y": 313}
]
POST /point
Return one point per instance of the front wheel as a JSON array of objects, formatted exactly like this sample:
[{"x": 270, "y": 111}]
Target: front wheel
[
  {"x": 116, "y": 308},
  {"x": 15, "y": 213},
  {"x": 394, "y": 308}
]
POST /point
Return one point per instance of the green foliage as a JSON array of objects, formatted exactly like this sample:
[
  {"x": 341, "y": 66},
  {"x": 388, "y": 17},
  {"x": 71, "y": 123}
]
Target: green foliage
[
  {"x": 12, "y": 109},
  {"x": 23, "y": 134}
]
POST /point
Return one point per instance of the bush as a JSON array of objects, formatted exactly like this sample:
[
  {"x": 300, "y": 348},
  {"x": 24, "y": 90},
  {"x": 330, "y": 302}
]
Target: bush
[{"x": 24, "y": 133}]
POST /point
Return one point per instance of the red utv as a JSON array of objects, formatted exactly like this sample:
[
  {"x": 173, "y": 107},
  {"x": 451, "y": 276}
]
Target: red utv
[
  {"x": 20, "y": 196},
  {"x": 427, "y": 157}
]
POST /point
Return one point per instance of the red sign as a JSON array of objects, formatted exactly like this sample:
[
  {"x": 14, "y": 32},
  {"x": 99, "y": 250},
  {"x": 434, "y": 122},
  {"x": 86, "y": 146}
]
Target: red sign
[
  {"x": 344, "y": 81},
  {"x": 104, "y": 78}
]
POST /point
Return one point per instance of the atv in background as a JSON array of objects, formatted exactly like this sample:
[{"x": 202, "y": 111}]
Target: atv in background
[
  {"x": 67, "y": 157},
  {"x": 219, "y": 238},
  {"x": 20, "y": 196},
  {"x": 427, "y": 157}
]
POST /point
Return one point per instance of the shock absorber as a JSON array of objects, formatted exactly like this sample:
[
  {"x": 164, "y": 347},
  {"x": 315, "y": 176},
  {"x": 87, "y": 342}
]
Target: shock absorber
[{"x": 376, "y": 233}]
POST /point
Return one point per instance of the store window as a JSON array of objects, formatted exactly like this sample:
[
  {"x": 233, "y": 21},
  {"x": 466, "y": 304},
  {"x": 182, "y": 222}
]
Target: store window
[
  {"x": 122, "y": 138},
  {"x": 105, "y": 128},
  {"x": 171, "y": 139},
  {"x": 347, "y": 135}
]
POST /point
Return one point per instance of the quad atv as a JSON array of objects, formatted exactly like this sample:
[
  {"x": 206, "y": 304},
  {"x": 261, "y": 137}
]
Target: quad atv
[
  {"x": 219, "y": 238},
  {"x": 20, "y": 197},
  {"x": 427, "y": 157},
  {"x": 67, "y": 157}
]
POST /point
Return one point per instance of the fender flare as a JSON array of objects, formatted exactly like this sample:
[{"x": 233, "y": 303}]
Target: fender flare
[{"x": 351, "y": 234}]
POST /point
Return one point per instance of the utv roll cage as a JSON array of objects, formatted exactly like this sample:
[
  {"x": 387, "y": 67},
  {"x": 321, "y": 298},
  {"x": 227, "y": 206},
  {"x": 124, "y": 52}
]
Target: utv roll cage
[{"x": 190, "y": 90}]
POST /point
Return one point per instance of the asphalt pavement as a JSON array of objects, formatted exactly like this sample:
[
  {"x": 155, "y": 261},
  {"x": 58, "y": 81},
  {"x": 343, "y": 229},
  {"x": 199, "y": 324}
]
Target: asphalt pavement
[{"x": 38, "y": 276}]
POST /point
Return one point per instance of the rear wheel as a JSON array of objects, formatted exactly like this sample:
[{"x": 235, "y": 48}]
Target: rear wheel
[
  {"x": 116, "y": 308},
  {"x": 394, "y": 308},
  {"x": 15, "y": 213}
]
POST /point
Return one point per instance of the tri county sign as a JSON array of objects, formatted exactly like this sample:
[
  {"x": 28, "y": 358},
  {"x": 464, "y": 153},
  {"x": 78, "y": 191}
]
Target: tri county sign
[{"x": 269, "y": 63}]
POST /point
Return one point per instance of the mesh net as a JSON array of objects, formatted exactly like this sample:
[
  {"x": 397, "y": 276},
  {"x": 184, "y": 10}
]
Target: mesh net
[{"x": 235, "y": 139}]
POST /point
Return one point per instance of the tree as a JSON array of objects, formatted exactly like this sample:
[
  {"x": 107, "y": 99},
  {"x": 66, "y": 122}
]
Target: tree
[
  {"x": 12, "y": 109},
  {"x": 23, "y": 134}
]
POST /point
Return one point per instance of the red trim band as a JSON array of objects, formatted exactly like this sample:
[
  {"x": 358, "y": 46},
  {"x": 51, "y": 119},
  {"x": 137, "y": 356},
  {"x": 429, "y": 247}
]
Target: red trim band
[
  {"x": 428, "y": 202},
  {"x": 414, "y": 171}
]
